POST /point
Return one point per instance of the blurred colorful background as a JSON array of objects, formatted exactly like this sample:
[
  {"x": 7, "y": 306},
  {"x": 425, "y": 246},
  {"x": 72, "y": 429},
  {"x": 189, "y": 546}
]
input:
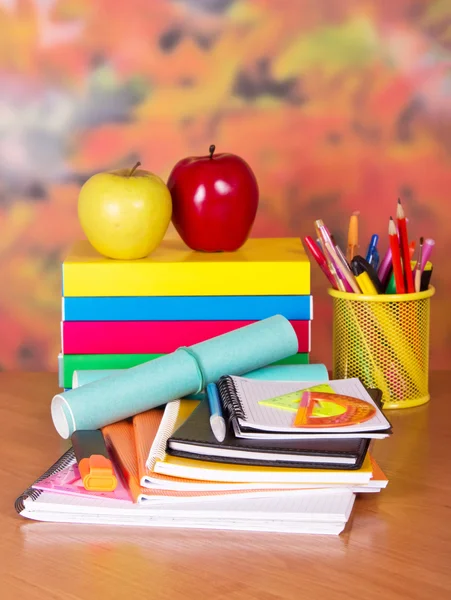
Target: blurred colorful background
[{"x": 338, "y": 105}]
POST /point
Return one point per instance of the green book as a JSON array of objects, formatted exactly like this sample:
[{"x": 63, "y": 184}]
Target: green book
[
  {"x": 68, "y": 363},
  {"x": 302, "y": 358}
]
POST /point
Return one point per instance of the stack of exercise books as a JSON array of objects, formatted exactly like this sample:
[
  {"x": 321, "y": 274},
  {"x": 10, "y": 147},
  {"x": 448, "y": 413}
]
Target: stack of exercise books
[
  {"x": 271, "y": 473},
  {"x": 118, "y": 314}
]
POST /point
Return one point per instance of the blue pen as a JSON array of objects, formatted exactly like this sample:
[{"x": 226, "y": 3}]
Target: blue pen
[
  {"x": 217, "y": 422},
  {"x": 376, "y": 259},
  {"x": 372, "y": 256}
]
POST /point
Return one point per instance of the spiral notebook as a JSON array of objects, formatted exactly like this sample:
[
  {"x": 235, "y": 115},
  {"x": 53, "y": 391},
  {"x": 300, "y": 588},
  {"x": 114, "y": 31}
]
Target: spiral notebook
[
  {"x": 246, "y": 404},
  {"x": 194, "y": 439},
  {"x": 304, "y": 511}
]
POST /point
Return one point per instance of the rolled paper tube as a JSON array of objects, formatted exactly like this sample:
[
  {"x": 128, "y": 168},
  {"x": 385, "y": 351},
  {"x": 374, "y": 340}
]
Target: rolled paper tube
[
  {"x": 81, "y": 377},
  {"x": 317, "y": 372},
  {"x": 183, "y": 372}
]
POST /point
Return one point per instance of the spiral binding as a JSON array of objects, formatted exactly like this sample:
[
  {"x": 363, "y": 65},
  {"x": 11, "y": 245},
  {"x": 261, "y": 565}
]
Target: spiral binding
[
  {"x": 64, "y": 461},
  {"x": 165, "y": 430},
  {"x": 230, "y": 399}
]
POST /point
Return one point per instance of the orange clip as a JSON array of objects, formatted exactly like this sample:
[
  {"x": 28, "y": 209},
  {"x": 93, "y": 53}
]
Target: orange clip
[{"x": 97, "y": 474}]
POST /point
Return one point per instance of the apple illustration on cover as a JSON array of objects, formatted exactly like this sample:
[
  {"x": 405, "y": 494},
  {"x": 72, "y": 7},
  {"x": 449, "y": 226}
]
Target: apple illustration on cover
[{"x": 214, "y": 201}]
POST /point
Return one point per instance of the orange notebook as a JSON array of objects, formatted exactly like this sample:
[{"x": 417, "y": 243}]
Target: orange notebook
[
  {"x": 120, "y": 439},
  {"x": 379, "y": 478},
  {"x": 146, "y": 427},
  {"x": 121, "y": 443}
]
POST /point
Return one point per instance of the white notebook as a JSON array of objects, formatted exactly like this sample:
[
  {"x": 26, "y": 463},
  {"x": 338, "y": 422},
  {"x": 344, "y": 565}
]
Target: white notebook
[
  {"x": 242, "y": 398},
  {"x": 307, "y": 511},
  {"x": 37, "y": 535}
]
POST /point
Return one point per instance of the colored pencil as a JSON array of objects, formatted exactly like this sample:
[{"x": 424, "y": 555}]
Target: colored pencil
[
  {"x": 396, "y": 257},
  {"x": 404, "y": 243}
]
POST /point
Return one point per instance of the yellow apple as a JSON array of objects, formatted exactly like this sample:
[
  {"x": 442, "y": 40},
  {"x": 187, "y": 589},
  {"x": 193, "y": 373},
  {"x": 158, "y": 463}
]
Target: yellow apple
[{"x": 125, "y": 213}]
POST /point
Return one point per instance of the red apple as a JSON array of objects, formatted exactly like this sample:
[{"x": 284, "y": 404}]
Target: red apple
[{"x": 214, "y": 201}]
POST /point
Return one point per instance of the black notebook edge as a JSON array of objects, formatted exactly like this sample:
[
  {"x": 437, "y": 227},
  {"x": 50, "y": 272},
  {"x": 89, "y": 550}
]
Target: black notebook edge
[
  {"x": 274, "y": 463},
  {"x": 270, "y": 445},
  {"x": 364, "y": 444}
]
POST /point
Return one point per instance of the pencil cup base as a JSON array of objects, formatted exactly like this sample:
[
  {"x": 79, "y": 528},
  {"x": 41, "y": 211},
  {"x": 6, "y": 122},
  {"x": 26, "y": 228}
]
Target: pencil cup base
[{"x": 407, "y": 403}]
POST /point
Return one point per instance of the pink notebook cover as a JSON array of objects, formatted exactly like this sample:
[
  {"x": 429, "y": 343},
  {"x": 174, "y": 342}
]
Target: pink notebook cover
[
  {"x": 68, "y": 482},
  {"x": 152, "y": 337}
]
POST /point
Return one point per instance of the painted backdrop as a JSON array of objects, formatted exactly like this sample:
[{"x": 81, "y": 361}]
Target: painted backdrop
[{"x": 338, "y": 105}]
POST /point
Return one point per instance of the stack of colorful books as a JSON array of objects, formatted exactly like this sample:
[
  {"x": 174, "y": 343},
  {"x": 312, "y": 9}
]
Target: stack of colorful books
[{"x": 118, "y": 314}]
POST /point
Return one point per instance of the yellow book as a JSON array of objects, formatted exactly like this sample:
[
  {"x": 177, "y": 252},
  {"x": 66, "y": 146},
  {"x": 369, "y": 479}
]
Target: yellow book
[
  {"x": 202, "y": 470},
  {"x": 268, "y": 266}
]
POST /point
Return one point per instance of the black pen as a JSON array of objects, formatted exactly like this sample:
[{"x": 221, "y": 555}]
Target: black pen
[{"x": 364, "y": 265}]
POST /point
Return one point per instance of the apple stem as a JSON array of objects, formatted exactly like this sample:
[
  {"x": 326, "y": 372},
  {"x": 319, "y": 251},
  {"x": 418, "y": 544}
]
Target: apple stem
[
  {"x": 211, "y": 150},
  {"x": 138, "y": 164}
]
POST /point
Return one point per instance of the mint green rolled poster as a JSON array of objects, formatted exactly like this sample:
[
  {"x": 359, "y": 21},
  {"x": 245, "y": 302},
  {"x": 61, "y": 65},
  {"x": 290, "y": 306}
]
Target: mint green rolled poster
[
  {"x": 185, "y": 371},
  {"x": 311, "y": 372},
  {"x": 83, "y": 377}
]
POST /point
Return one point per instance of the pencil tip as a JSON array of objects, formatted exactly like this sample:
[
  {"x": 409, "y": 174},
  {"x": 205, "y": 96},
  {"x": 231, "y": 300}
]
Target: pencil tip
[
  {"x": 421, "y": 240},
  {"x": 399, "y": 200},
  {"x": 391, "y": 218}
]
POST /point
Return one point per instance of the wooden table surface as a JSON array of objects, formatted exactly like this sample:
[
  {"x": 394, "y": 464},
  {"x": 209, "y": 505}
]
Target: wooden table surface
[{"x": 397, "y": 544}]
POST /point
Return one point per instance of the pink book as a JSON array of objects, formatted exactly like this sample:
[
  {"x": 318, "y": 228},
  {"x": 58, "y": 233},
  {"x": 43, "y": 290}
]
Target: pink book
[{"x": 152, "y": 337}]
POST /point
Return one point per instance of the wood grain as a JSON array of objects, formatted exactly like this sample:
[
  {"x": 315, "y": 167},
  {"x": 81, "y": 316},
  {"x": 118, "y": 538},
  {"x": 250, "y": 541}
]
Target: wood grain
[{"x": 397, "y": 545}]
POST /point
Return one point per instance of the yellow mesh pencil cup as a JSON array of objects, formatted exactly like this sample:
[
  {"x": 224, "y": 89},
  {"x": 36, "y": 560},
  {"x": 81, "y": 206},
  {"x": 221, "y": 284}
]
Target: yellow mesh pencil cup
[{"x": 384, "y": 340}]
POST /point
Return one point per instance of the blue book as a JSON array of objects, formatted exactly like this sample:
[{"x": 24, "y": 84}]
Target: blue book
[{"x": 186, "y": 308}]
